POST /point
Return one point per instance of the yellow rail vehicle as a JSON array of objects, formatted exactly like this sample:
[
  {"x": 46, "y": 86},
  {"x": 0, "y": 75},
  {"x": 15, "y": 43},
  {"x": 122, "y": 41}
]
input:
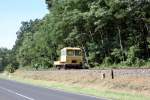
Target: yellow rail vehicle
[{"x": 70, "y": 58}]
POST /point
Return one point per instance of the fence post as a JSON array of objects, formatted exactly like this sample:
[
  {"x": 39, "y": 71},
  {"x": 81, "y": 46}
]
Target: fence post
[
  {"x": 112, "y": 74},
  {"x": 102, "y": 75}
]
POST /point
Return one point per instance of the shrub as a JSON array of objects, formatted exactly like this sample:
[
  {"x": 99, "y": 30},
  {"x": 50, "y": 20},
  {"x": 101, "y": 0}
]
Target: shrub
[
  {"x": 140, "y": 62},
  {"x": 42, "y": 63},
  {"x": 10, "y": 68},
  {"x": 132, "y": 57},
  {"x": 107, "y": 61},
  {"x": 118, "y": 55}
]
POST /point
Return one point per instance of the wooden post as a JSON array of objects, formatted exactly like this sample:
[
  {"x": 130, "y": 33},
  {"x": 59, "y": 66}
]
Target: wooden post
[
  {"x": 112, "y": 74},
  {"x": 102, "y": 75}
]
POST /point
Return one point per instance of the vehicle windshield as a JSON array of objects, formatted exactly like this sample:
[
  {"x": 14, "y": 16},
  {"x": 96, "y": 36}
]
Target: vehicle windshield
[
  {"x": 70, "y": 53},
  {"x": 73, "y": 52},
  {"x": 77, "y": 52}
]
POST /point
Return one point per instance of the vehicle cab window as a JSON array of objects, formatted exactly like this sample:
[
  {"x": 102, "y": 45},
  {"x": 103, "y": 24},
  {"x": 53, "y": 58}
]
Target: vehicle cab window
[
  {"x": 70, "y": 53},
  {"x": 63, "y": 53},
  {"x": 77, "y": 53}
]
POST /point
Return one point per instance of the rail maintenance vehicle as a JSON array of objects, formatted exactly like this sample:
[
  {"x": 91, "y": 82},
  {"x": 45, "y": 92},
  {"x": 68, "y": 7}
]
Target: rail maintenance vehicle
[{"x": 70, "y": 58}]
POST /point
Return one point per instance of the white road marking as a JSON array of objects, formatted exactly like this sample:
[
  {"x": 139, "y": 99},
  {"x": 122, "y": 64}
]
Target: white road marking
[{"x": 13, "y": 92}]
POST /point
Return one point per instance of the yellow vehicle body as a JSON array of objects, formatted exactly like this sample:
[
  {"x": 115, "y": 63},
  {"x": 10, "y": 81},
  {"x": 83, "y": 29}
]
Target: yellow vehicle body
[{"x": 71, "y": 57}]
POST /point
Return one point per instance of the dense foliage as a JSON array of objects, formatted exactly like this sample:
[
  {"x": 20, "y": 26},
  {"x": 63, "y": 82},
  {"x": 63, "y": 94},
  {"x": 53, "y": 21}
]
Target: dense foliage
[
  {"x": 7, "y": 57},
  {"x": 109, "y": 32}
]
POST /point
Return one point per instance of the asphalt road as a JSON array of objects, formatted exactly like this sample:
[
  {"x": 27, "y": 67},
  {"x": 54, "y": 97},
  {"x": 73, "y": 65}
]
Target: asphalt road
[{"x": 11, "y": 90}]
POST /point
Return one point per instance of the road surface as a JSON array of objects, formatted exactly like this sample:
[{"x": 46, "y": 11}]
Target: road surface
[{"x": 11, "y": 90}]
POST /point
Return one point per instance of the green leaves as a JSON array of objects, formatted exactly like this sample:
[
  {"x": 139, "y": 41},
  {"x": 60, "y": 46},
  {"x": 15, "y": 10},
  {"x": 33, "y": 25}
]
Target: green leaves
[{"x": 106, "y": 30}]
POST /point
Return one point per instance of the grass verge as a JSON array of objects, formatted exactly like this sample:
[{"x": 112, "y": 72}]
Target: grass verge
[{"x": 104, "y": 93}]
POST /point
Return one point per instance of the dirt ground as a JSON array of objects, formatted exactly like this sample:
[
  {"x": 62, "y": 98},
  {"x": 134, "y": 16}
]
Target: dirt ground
[{"x": 125, "y": 84}]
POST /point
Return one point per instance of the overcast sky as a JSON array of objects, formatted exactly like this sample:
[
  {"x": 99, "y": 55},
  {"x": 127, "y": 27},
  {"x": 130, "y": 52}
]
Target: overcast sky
[{"x": 13, "y": 12}]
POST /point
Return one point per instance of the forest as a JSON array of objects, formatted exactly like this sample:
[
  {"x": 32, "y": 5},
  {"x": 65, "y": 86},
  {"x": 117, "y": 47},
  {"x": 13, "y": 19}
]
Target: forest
[{"x": 111, "y": 33}]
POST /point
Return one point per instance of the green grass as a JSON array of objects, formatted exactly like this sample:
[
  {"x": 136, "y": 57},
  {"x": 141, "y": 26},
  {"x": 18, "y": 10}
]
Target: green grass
[{"x": 77, "y": 89}]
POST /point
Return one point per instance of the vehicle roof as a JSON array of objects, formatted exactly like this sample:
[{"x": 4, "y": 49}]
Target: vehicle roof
[{"x": 71, "y": 48}]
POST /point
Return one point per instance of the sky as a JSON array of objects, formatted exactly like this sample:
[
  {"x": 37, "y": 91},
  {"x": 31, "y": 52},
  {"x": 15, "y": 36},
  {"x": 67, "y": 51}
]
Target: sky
[{"x": 13, "y": 12}]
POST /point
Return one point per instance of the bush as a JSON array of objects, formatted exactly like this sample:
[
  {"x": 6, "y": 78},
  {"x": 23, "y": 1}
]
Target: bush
[
  {"x": 42, "y": 63},
  {"x": 140, "y": 62},
  {"x": 118, "y": 55},
  {"x": 107, "y": 61},
  {"x": 10, "y": 68},
  {"x": 132, "y": 57}
]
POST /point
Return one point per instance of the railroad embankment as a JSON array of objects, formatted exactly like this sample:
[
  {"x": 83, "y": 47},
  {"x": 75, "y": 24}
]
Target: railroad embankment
[
  {"x": 118, "y": 80},
  {"x": 116, "y": 84}
]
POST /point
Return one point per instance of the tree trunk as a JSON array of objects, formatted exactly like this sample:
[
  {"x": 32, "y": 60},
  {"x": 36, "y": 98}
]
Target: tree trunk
[
  {"x": 120, "y": 41},
  {"x": 85, "y": 55},
  {"x": 147, "y": 49}
]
